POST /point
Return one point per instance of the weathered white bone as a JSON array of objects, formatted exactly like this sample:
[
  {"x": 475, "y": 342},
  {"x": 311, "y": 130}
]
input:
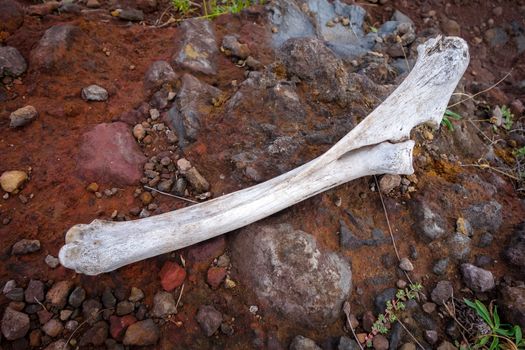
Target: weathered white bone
[{"x": 104, "y": 246}]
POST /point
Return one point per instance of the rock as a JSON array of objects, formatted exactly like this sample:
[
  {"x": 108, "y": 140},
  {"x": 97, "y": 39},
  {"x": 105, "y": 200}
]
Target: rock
[
  {"x": 60, "y": 344},
  {"x": 431, "y": 336},
  {"x": 65, "y": 314},
  {"x": 451, "y": 27},
  {"x": 429, "y": 307},
  {"x": 124, "y": 308},
  {"x": 205, "y": 252},
  {"x": 476, "y": 278},
  {"x": 197, "y": 181},
  {"x": 496, "y": 37},
  {"x": 92, "y": 4},
  {"x": 11, "y": 16},
  {"x": 400, "y": 17},
  {"x": 486, "y": 216},
  {"x": 264, "y": 255},
  {"x": 57, "y": 295},
  {"x": 139, "y": 132},
  {"x": 427, "y": 219},
  {"x": 440, "y": 266},
  {"x": 12, "y": 180},
  {"x": 136, "y": 294},
  {"x": 446, "y": 346},
  {"x": 12, "y": 63},
  {"x": 512, "y": 303},
  {"x": 515, "y": 250},
  {"x": 310, "y": 60},
  {"x": 406, "y": 265},
  {"x": 53, "y": 47},
  {"x": 368, "y": 321},
  {"x": 34, "y": 291},
  {"x": 192, "y": 104},
  {"x": 96, "y": 335},
  {"x": 232, "y": 47},
  {"x": 94, "y": 93},
  {"x": 408, "y": 346},
  {"x": 15, "y": 294},
  {"x": 15, "y": 324},
  {"x": 464, "y": 227},
  {"x": 26, "y": 246},
  {"x": 458, "y": 246},
  {"x": 215, "y": 276},
  {"x": 485, "y": 240},
  {"x": 388, "y": 182},
  {"x": 165, "y": 186},
  {"x": 199, "y": 47},
  {"x": 142, "y": 333},
  {"x": 51, "y": 261},
  {"x": 91, "y": 311},
  {"x": 163, "y": 304},
  {"x": 209, "y": 319},
  {"x": 382, "y": 298},
  {"x": 9, "y": 286},
  {"x": 159, "y": 74},
  {"x": 110, "y": 154},
  {"x": 77, "y": 296},
  {"x": 303, "y": 343},
  {"x": 118, "y": 325},
  {"x": 108, "y": 299},
  {"x": 288, "y": 21},
  {"x": 380, "y": 342},
  {"x": 172, "y": 275},
  {"x": 131, "y": 14},
  {"x": 346, "y": 343},
  {"x": 442, "y": 292},
  {"x": 53, "y": 328}
]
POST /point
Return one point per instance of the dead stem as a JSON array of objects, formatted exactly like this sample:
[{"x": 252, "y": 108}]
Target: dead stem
[
  {"x": 346, "y": 310},
  {"x": 410, "y": 334},
  {"x": 171, "y": 195},
  {"x": 180, "y": 296},
  {"x": 481, "y": 92}
]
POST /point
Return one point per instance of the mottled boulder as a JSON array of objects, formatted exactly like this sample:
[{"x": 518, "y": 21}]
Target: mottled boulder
[
  {"x": 15, "y": 324},
  {"x": 12, "y": 63},
  {"x": 313, "y": 62},
  {"x": 110, "y": 154},
  {"x": 265, "y": 258},
  {"x": 289, "y": 20},
  {"x": 486, "y": 216},
  {"x": 476, "y": 278},
  {"x": 53, "y": 47},
  {"x": 192, "y": 104},
  {"x": 22, "y": 116},
  {"x": 515, "y": 250},
  {"x": 427, "y": 219},
  {"x": 199, "y": 48},
  {"x": 11, "y": 16},
  {"x": 159, "y": 73},
  {"x": 512, "y": 302}
]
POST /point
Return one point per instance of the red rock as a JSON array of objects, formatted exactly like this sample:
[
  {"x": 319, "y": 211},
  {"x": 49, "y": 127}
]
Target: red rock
[
  {"x": 118, "y": 325},
  {"x": 206, "y": 251},
  {"x": 110, "y": 154},
  {"x": 44, "y": 316},
  {"x": 215, "y": 276},
  {"x": 172, "y": 275},
  {"x": 11, "y": 16}
]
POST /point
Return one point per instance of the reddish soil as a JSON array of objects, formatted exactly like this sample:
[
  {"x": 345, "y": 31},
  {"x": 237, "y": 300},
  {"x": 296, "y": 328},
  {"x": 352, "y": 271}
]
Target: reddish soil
[{"x": 48, "y": 148}]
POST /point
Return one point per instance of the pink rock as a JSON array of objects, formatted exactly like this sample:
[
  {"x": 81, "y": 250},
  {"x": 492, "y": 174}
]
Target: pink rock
[
  {"x": 118, "y": 325},
  {"x": 215, "y": 276},
  {"x": 172, "y": 275},
  {"x": 110, "y": 154}
]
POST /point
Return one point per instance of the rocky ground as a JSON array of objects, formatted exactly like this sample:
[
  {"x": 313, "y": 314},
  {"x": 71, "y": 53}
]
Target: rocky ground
[{"x": 102, "y": 107}]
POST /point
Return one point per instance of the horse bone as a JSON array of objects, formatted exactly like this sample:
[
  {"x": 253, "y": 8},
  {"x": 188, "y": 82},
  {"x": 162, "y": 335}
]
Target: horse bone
[{"x": 375, "y": 146}]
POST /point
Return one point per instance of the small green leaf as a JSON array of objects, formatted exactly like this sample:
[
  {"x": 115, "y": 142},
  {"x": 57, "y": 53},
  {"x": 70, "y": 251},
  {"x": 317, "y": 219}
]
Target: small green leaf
[
  {"x": 518, "y": 335},
  {"x": 496, "y": 317},
  {"x": 481, "y": 309},
  {"x": 495, "y": 343},
  {"x": 373, "y": 29},
  {"x": 484, "y": 340},
  {"x": 452, "y": 115}
]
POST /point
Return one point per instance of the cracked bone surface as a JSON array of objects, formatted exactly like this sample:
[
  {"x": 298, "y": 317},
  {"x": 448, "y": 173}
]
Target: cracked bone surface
[{"x": 374, "y": 146}]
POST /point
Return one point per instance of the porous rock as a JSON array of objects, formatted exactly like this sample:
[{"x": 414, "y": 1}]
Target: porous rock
[{"x": 12, "y": 63}]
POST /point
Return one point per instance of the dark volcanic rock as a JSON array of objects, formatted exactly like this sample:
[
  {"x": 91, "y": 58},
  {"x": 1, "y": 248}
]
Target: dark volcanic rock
[
  {"x": 34, "y": 291},
  {"x": 515, "y": 251},
  {"x": 11, "y": 15},
  {"x": 110, "y": 154},
  {"x": 199, "y": 48},
  {"x": 12, "y": 63},
  {"x": 54, "y": 45},
  {"x": 266, "y": 257},
  {"x": 512, "y": 302},
  {"x": 159, "y": 73},
  {"x": 15, "y": 324},
  {"x": 485, "y": 216},
  {"x": 310, "y": 60},
  {"x": 289, "y": 21},
  {"x": 209, "y": 319},
  {"x": 442, "y": 292}
]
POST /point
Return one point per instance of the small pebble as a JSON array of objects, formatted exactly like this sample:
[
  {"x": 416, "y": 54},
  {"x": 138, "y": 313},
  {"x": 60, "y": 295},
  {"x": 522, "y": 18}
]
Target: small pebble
[
  {"x": 406, "y": 265},
  {"x": 51, "y": 261}
]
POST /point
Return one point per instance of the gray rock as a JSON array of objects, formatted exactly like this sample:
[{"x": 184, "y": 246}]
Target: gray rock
[
  {"x": 124, "y": 308},
  {"x": 346, "y": 343},
  {"x": 165, "y": 186},
  {"x": 388, "y": 182},
  {"x": 192, "y": 104},
  {"x": 199, "y": 48},
  {"x": 428, "y": 220},
  {"x": 15, "y": 294},
  {"x": 96, "y": 335},
  {"x": 232, "y": 47},
  {"x": 78, "y": 295},
  {"x": 15, "y": 324},
  {"x": 94, "y": 93},
  {"x": 485, "y": 240},
  {"x": 51, "y": 261},
  {"x": 53, "y": 47},
  {"x": 60, "y": 344},
  {"x": 515, "y": 250},
  {"x": 9, "y": 286},
  {"x": 142, "y": 333},
  {"x": 310, "y": 60},
  {"x": 485, "y": 216},
  {"x": 512, "y": 303},
  {"x": 400, "y": 17},
  {"x": 11, "y": 15},
  {"x": 108, "y": 299},
  {"x": 265, "y": 257},
  {"x": 406, "y": 265},
  {"x": 496, "y": 37},
  {"x": 163, "y": 304},
  {"x": 130, "y": 14},
  {"x": 303, "y": 343},
  {"x": 26, "y": 246},
  {"x": 440, "y": 266},
  {"x": 458, "y": 246},
  {"x": 442, "y": 292},
  {"x": 483, "y": 260},
  {"x": 12, "y": 63},
  {"x": 289, "y": 21},
  {"x": 476, "y": 278},
  {"x": 382, "y": 298},
  {"x": 22, "y": 116},
  {"x": 34, "y": 291},
  {"x": 53, "y": 328},
  {"x": 136, "y": 294},
  {"x": 431, "y": 336},
  {"x": 209, "y": 319},
  {"x": 159, "y": 73},
  {"x": 91, "y": 310}
]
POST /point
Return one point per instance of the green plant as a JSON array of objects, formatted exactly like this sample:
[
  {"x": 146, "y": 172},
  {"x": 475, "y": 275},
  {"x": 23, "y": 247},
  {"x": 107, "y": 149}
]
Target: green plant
[
  {"x": 507, "y": 117},
  {"x": 446, "y": 121},
  {"x": 212, "y": 8},
  {"x": 393, "y": 309},
  {"x": 182, "y": 6},
  {"x": 502, "y": 336},
  {"x": 520, "y": 152}
]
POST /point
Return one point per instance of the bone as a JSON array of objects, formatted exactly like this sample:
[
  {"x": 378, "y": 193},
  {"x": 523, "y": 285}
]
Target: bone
[{"x": 375, "y": 146}]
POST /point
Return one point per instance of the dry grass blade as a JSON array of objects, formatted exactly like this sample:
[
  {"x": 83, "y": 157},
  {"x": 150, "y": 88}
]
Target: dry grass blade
[
  {"x": 346, "y": 310},
  {"x": 171, "y": 195}
]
